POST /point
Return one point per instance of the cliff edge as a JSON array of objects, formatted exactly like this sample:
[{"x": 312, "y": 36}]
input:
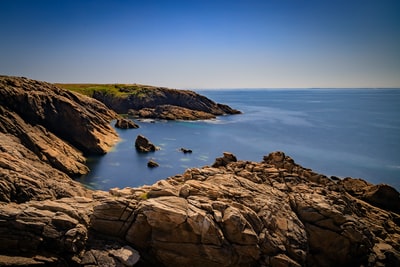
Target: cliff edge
[{"x": 44, "y": 133}]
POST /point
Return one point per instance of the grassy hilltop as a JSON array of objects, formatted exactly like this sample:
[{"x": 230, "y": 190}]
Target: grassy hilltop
[{"x": 119, "y": 90}]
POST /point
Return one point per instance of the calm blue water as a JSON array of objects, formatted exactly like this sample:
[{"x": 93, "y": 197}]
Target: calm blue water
[{"x": 341, "y": 132}]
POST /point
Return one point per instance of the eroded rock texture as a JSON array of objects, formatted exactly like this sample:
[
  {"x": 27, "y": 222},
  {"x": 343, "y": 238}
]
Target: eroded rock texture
[
  {"x": 44, "y": 131},
  {"x": 272, "y": 213}
]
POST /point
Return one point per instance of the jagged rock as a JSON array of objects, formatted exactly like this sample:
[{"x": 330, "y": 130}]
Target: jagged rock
[
  {"x": 241, "y": 214},
  {"x": 41, "y": 127},
  {"x": 223, "y": 161},
  {"x": 143, "y": 144},
  {"x": 125, "y": 124},
  {"x": 126, "y": 255},
  {"x": 152, "y": 164},
  {"x": 80, "y": 120},
  {"x": 249, "y": 213},
  {"x": 25, "y": 176}
]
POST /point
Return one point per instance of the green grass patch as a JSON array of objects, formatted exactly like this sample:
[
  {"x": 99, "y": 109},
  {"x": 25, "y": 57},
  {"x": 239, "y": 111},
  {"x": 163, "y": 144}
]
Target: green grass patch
[{"x": 119, "y": 90}]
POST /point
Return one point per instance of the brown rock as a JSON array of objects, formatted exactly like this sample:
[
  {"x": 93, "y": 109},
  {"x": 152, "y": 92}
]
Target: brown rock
[
  {"x": 223, "y": 161},
  {"x": 143, "y": 144},
  {"x": 125, "y": 124},
  {"x": 85, "y": 122},
  {"x": 171, "y": 112}
]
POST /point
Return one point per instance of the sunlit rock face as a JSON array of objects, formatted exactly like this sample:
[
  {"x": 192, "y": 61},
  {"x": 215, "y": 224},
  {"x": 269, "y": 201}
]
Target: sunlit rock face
[
  {"x": 77, "y": 119},
  {"x": 241, "y": 213},
  {"x": 44, "y": 132}
]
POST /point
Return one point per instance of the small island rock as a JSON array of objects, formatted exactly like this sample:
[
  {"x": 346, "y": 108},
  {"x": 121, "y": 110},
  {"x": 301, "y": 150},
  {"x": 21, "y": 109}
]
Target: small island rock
[
  {"x": 185, "y": 150},
  {"x": 152, "y": 164},
  {"x": 143, "y": 144},
  {"x": 123, "y": 123}
]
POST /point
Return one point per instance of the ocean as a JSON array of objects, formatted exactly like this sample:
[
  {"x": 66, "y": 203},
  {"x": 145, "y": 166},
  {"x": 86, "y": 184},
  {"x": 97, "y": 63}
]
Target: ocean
[{"x": 340, "y": 132}]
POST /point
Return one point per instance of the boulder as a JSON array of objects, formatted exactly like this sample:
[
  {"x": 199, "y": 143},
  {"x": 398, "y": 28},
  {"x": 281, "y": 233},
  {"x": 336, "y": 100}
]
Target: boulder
[
  {"x": 143, "y": 144},
  {"x": 152, "y": 164},
  {"x": 125, "y": 124},
  {"x": 223, "y": 161}
]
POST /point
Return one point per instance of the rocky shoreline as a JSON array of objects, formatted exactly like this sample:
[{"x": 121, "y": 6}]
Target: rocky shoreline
[
  {"x": 150, "y": 102},
  {"x": 233, "y": 213}
]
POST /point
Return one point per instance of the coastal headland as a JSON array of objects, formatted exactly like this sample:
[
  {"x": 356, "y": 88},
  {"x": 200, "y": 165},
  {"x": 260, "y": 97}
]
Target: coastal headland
[
  {"x": 233, "y": 213},
  {"x": 146, "y": 101}
]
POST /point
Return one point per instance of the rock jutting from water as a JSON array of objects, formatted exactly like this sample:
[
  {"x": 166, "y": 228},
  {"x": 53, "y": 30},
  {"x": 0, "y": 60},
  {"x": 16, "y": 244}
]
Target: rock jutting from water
[
  {"x": 122, "y": 123},
  {"x": 235, "y": 213},
  {"x": 142, "y": 144}
]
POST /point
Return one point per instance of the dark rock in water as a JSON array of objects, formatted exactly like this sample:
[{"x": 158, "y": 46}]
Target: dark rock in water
[
  {"x": 185, "y": 150},
  {"x": 152, "y": 164},
  {"x": 143, "y": 144},
  {"x": 223, "y": 161},
  {"x": 123, "y": 123}
]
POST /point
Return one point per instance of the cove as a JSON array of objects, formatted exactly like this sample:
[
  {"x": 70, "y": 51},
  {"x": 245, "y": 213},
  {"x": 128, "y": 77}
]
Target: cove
[{"x": 341, "y": 132}]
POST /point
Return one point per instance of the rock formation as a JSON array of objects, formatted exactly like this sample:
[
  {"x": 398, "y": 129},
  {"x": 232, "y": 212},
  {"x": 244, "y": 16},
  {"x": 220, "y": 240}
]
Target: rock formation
[
  {"x": 272, "y": 213},
  {"x": 163, "y": 103},
  {"x": 77, "y": 119},
  {"x": 223, "y": 161},
  {"x": 152, "y": 164},
  {"x": 169, "y": 112},
  {"x": 143, "y": 144},
  {"x": 43, "y": 132},
  {"x": 125, "y": 124},
  {"x": 235, "y": 213}
]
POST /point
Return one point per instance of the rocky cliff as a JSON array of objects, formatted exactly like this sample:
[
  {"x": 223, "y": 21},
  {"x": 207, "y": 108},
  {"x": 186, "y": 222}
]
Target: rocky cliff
[
  {"x": 44, "y": 132},
  {"x": 234, "y": 213},
  {"x": 156, "y": 102}
]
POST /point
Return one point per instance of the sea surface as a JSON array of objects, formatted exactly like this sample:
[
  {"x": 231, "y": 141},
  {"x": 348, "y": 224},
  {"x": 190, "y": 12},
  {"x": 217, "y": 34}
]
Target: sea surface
[{"x": 341, "y": 132}]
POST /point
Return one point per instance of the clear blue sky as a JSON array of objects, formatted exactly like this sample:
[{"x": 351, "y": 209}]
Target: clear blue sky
[{"x": 204, "y": 43}]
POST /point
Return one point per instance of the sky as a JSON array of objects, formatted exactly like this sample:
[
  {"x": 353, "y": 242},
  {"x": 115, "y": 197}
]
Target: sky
[{"x": 204, "y": 43}]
